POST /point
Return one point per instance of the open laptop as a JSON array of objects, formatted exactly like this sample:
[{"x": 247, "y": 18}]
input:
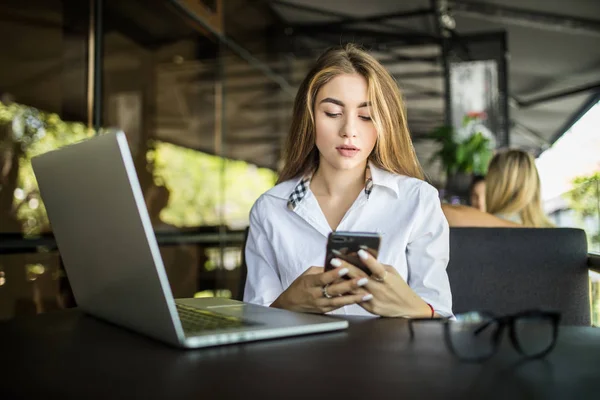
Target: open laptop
[{"x": 104, "y": 234}]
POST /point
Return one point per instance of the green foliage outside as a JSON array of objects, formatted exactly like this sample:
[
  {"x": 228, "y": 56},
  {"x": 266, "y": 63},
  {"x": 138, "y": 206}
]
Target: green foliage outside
[
  {"x": 584, "y": 199},
  {"x": 34, "y": 132},
  {"x": 204, "y": 189}
]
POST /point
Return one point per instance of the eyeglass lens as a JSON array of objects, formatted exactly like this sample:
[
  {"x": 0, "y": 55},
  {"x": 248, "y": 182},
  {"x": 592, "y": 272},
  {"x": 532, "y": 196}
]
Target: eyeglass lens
[
  {"x": 534, "y": 334},
  {"x": 473, "y": 335}
]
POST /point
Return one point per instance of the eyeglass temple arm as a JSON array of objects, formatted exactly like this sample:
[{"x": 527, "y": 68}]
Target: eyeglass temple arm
[{"x": 484, "y": 326}]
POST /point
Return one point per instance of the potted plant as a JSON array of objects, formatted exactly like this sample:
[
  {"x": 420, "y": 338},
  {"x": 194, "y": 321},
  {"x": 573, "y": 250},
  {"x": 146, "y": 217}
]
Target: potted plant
[{"x": 464, "y": 153}]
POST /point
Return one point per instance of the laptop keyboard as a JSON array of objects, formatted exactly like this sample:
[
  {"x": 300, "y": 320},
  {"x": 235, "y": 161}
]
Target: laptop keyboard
[{"x": 196, "y": 320}]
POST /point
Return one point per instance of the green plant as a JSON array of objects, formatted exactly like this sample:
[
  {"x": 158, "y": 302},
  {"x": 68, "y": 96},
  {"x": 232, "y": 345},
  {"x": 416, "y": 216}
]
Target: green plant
[
  {"x": 471, "y": 155},
  {"x": 24, "y": 133},
  {"x": 584, "y": 199}
]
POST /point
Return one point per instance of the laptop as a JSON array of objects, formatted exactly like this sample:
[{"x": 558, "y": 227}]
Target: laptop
[{"x": 103, "y": 231}]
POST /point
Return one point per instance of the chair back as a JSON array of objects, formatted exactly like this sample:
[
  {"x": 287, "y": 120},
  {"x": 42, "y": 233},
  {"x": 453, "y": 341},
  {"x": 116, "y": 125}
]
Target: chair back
[{"x": 505, "y": 270}]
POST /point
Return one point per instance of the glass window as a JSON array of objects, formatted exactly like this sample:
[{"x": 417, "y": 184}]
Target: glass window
[
  {"x": 43, "y": 106},
  {"x": 570, "y": 179},
  {"x": 202, "y": 153}
]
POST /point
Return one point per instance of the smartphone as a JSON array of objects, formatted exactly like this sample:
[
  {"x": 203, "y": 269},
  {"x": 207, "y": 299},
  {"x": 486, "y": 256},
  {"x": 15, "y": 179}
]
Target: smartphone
[{"x": 345, "y": 246}]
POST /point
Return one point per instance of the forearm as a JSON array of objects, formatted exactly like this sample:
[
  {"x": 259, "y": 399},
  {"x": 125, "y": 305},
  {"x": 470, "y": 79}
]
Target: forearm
[
  {"x": 280, "y": 303},
  {"x": 416, "y": 307},
  {"x": 464, "y": 216}
]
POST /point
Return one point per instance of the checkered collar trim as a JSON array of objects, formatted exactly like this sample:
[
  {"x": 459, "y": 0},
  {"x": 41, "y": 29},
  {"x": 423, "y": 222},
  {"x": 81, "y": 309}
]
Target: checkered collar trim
[{"x": 299, "y": 192}]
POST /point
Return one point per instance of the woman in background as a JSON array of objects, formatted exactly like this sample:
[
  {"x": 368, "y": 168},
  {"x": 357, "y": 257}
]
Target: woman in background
[
  {"x": 513, "y": 190},
  {"x": 513, "y": 196}
]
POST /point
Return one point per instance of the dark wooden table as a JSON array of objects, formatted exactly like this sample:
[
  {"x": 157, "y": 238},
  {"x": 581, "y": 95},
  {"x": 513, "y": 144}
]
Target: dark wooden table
[{"x": 68, "y": 355}]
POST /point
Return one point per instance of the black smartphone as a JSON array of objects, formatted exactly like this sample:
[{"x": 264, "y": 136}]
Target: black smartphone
[{"x": 345, "y": 246}]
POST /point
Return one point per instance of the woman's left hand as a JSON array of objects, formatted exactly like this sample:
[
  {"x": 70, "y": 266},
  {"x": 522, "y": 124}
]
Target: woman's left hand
[{"x": 392, "y": 297}]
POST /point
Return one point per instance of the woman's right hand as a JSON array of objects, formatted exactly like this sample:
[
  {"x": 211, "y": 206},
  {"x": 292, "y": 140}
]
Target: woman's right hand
[{"x": 308, "y": 292}]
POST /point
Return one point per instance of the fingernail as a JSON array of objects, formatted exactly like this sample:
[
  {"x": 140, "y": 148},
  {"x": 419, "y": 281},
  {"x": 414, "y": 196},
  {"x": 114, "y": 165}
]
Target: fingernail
[
  {"x": 363, "y": 254},
  {"x": 367, "y": 297},
  {"x": 362, "y": 282},
  {"x": 343, "y": 271},
  {"x": 336, "y": 262}
]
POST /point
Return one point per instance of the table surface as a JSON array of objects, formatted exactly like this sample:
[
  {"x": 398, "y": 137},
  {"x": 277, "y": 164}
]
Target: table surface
[{"x": 67, "y": 354}]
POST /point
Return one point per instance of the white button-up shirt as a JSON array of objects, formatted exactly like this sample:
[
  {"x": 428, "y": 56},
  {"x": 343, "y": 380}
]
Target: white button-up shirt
[{"x": 284, "y": 241}]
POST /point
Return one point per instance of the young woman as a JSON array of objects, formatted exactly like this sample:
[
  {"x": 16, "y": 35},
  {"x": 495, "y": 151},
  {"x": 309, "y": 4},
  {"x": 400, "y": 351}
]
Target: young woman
[{"x": 349, "y": 166}]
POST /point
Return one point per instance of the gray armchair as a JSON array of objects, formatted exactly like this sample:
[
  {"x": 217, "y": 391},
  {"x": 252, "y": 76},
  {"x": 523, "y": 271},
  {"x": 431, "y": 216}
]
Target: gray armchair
[{"x": 504, "y": 270}]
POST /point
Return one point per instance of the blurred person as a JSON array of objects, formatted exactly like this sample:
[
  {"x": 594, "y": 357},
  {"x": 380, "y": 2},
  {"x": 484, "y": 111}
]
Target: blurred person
[
  {"x": 157, "y": 199},
  {"x": 180, "y": 259},
  {"x": 513, "y": 190},
  {"x": 477, "y": 192},
  {"x": 512, "y": 195}
]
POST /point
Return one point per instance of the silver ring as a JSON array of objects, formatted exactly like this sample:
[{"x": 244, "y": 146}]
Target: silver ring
[
  {"x": 380, "y": 279},
  {"x": 325, "y": 294}
]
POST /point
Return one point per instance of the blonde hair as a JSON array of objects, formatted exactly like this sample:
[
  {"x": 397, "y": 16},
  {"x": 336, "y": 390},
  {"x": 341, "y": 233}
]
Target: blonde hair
[
  {"x": 393, "y": 152},
  {"x": 513, "y": 187}
]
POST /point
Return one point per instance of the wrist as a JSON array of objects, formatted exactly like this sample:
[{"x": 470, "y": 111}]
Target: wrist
[
  {"x": 431, "y": 310},
  {"x": 420, "y": 310},
  {"x": 279, "y": 303},
  {"x": 283, "y": 302}
]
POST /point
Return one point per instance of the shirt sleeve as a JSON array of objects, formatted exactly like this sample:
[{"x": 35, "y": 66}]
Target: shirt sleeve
[
  {"x": 263, "y": 284},
  {"x": 428, "y": 253}
]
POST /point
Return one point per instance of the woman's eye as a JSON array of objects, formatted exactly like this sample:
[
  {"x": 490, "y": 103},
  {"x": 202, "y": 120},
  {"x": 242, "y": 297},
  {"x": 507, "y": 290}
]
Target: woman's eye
[
  {"x": 332, "y": 115},
  {"x": 365, "y": 118}
]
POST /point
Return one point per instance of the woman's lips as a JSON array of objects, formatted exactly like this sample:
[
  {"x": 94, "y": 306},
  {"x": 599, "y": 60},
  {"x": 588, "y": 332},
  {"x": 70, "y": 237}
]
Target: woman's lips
[{"x": 347, "y": 151}]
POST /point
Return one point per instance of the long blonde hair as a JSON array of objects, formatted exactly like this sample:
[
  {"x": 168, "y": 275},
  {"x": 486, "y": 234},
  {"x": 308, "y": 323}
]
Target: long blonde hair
[
  {"x": 513, "y": 187},
  {"x": 393, "y": 152}
]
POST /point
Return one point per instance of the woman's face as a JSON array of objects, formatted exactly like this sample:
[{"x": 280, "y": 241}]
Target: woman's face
[
  {"x": 345, "y": 134},
  {"x": 478, "y": 196}
]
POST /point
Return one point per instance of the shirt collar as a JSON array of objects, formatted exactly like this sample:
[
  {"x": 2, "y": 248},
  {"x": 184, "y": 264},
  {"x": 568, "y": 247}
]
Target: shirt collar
[
  {"x": 384, "y": 178},
  {"x": 301, "y": 188}
]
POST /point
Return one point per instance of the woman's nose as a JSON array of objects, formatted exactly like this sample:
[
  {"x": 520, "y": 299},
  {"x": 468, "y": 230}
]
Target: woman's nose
[{"x": 348, "y": 128}]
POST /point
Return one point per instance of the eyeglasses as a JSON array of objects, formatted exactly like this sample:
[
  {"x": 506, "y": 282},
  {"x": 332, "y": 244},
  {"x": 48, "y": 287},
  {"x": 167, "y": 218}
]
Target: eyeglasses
[{"x": 475, "y": 336}]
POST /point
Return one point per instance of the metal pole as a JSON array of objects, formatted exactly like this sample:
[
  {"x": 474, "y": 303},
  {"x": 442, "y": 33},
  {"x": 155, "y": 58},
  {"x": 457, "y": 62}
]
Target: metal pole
[
  {"x": 598, "y": 206},
  {"x": 436, "y": 6},
  {"x": 98, "y": 53},
  {"x": 94, "y": 76},
  {"x": 90, "y": 67}
]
